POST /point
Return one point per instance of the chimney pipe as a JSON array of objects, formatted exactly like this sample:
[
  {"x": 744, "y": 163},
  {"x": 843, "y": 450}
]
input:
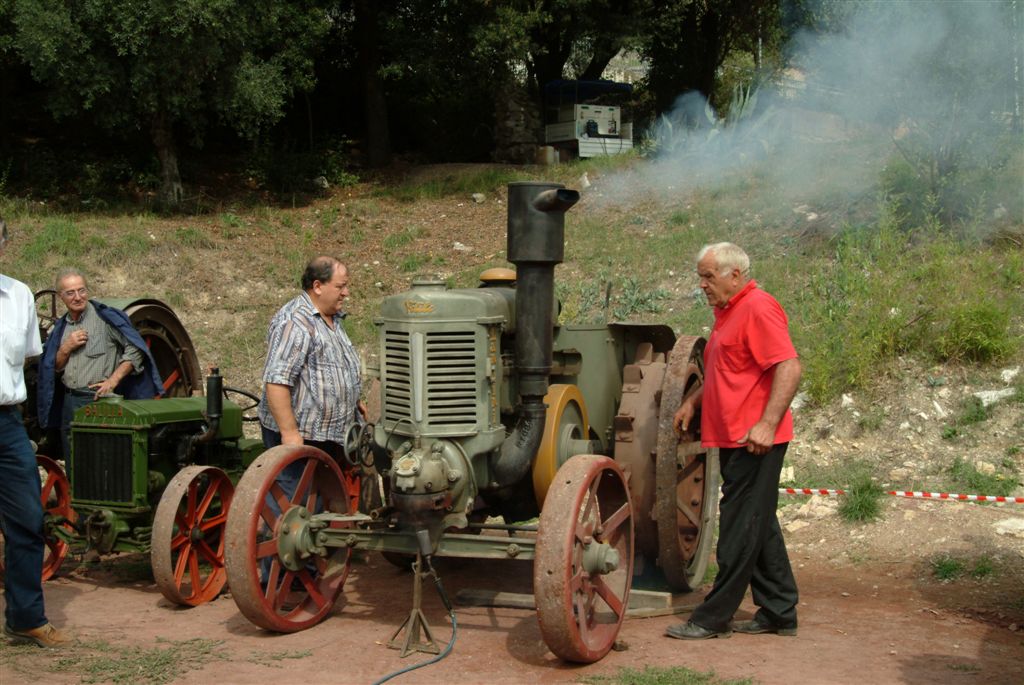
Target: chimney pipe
[{"x": 536, "y": 243}]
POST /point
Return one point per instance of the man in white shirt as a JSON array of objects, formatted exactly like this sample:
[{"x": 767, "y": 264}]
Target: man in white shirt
[{"x": 21, "y": 511}]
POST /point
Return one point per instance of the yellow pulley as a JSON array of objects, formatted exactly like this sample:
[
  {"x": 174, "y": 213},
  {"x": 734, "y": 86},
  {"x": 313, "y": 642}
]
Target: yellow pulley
[{"x": 565, "y": 421}]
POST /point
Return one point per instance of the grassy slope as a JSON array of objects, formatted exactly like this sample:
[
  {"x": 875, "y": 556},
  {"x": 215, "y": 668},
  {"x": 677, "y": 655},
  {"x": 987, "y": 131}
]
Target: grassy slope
[{"x": 860, "y": 288}]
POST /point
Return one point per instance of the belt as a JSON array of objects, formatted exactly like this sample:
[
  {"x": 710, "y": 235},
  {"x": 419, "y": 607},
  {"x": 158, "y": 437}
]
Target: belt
[
  {"x": 80, "y": 392},
  {"x": 8, "y": 407}
]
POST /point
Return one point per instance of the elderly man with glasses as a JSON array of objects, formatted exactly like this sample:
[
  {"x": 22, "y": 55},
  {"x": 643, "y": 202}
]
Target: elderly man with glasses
[{"x": 95, "y": 351}]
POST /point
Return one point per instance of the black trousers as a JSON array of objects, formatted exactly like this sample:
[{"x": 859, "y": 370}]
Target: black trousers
[{"x": 751, "y": 552}]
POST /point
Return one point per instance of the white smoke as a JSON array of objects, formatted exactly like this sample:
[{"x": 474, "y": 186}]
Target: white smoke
[{"x": 941, "y": 72}]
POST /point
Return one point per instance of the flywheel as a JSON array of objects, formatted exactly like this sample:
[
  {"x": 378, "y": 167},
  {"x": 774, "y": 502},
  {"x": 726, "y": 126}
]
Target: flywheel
[{"x": 687, "y": 475}]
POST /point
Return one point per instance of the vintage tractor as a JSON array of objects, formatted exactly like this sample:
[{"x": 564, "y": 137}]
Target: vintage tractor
[
  {"x": 489, "y": 409},
  {"x": 153, "y": 476}
]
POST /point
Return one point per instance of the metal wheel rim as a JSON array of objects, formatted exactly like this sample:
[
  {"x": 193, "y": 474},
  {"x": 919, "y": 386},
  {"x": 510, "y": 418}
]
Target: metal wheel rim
[
  {"x": 56, "y": 483},
  {"x": 580, "y": 614},
  {"x": 563, "y": 402},
  {"x": 252, "y": 534},
  {"x": 687, "y": 497},
  {"x": 187, "y": 510}
]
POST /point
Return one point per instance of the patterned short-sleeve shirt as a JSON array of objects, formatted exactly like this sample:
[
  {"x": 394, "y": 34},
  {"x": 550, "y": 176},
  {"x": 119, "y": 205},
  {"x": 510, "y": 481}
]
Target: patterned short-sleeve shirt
[{"x": 319, "y": 364}]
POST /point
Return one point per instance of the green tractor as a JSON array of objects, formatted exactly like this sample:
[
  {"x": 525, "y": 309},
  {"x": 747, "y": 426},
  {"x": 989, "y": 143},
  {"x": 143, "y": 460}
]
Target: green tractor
[
  {"x": 492, "y": 415},
  {"x": 151, "y": 476}
]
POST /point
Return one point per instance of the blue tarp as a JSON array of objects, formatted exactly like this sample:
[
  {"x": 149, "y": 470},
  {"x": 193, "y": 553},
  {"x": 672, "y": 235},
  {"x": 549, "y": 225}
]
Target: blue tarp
[{"x": 570, "y": 92}]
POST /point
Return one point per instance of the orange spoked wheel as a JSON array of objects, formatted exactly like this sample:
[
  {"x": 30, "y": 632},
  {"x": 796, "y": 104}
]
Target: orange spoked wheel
[
  {"x": 188, "y": 535},
  {"x": 58, "y": 516},
  {"x": 279, "y": 492}
]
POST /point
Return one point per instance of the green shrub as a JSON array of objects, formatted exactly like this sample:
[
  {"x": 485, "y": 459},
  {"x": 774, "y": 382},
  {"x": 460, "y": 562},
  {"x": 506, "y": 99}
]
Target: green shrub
[
  {"x": 947, "y": 568},
  {"x": 976, "y": 331},
  {"x": 862, "y": 502},
  {"x": 965, "y": 478}
]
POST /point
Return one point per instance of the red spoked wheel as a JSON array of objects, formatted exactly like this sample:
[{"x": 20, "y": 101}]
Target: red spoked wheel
[
  {"x": 584, "y": 563},
  {"x": 58, "y": 515},
  {"x": 188, "y": 535},
  {"x": 55, "y": 495},
  {"x": 285, "y": 486}
]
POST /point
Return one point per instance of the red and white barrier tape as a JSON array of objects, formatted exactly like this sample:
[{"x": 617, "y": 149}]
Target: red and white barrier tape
[{"x": 908, "y": 493}]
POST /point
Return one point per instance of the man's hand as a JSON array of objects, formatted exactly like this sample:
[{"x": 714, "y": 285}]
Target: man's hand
[
  {"x": 291, "y": 437},
  {"x": 105, "y": 387},
  {"x": 682, "y": 418},
  {"x": 75, "y": 340},
  {"x": 363, "y": 411},
  {"x": 760, "y": 438}
]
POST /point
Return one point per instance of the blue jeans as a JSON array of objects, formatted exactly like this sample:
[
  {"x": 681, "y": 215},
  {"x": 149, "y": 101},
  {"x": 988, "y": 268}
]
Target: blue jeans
[{"x": 21, "y": 520}]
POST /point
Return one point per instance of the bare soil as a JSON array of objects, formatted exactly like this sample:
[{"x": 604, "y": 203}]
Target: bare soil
[
  {"x": 871, "y": 609},
  {"x": 881, "y": 619}
]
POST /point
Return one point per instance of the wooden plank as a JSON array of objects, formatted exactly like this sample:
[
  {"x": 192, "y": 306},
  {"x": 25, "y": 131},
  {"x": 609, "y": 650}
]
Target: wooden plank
[{"x": 642, "y": 603}]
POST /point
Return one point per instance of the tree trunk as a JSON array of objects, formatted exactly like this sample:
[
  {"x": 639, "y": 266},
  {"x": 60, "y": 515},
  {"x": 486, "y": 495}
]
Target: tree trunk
[
  {"x": 605, "y": 50},
  {"x": 171, "y": 191},
  {"x": 378, "y": 135}
]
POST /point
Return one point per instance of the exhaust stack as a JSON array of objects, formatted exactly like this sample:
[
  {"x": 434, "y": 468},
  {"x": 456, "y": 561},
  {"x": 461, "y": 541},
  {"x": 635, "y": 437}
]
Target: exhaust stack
[{"x": 536, "y": 243}]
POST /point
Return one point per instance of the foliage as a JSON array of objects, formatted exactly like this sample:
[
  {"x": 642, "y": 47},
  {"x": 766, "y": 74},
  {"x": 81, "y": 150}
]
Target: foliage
[
  {"x": 964, "y": 478},
  {"x": 486, "y": 180},
  {"x": 653, "y": 675},
  {"x": 946, "y": 568},
  {"x": 862, "y": 502},
  {"x": 160, "y": 65},
  {"x": 884, "y": 294},
  {"x": 100, "y": 662}
]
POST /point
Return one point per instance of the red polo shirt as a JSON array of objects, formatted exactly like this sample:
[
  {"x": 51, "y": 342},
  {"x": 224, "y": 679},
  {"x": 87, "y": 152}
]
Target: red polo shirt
[{"x": 750, "y": 336}]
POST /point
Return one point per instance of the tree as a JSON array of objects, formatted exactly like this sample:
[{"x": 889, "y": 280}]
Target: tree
[
  {"x": 688, "y": 40},
  {"x": 170, "y": 68}
]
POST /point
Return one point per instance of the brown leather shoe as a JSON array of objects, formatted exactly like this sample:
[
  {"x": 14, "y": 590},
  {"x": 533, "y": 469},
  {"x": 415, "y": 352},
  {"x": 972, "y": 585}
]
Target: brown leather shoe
[{"x": 44, "y": 636}]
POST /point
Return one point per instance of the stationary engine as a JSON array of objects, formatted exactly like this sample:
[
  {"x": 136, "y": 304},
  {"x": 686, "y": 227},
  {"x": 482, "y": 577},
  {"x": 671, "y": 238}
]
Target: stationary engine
[{"x": 491, "y": 409}]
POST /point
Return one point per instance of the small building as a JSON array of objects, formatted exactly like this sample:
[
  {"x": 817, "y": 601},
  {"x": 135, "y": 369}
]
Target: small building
[{"x": 585, "y": 118}]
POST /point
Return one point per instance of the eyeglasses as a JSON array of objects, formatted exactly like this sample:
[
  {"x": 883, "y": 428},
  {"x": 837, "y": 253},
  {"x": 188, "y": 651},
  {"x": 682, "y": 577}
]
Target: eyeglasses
[{"x": 81, "y": 292}]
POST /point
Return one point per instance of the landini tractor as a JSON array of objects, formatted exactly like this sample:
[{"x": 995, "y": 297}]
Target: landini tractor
[{"x": 492, "y": 414}]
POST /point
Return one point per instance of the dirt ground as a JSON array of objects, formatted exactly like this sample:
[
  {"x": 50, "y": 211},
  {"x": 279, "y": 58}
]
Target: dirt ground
[{"x": 870, "y": 611}]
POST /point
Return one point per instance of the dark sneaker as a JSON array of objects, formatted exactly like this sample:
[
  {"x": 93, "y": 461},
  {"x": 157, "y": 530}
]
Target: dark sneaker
[
  {"x": 755, "y": 627},
  {"x": 692, "y": 631},
  {"x": 44, "y": 636}
]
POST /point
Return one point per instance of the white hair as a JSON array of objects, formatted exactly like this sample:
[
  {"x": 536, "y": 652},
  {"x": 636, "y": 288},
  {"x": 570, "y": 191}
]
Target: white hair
[{"x": 728, "y": 257}]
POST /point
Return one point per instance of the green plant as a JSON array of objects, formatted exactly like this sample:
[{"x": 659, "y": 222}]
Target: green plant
[
  {"x": 231, "y": 220},
  {"x": 863, "y": 499},
  {"x": 972, "y": 410},
  {"x": 192, "y": 237},
  {"x": 651, "y": 675},
  {"x": 964, "y": 477},
  {"x": 946, "y": 568},
  {"x": 101, "y": 662},
  {"x": 401, "y": 238},
  {"x": 60, "y": 237},
  {"x": 414, "y": 262},
  {"x": 634, "y": 299},
  {"x": 984, "y": 567}
]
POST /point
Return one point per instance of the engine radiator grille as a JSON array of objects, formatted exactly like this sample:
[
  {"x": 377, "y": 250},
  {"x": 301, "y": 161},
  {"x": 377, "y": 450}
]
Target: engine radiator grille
[
  {"x": 443, "y": 365},
  {"x": 102, "y": 469}
]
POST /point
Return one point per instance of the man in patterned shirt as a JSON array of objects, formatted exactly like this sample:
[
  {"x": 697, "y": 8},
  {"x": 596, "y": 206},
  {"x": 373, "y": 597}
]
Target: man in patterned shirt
[{"x": 312, "y": 374}]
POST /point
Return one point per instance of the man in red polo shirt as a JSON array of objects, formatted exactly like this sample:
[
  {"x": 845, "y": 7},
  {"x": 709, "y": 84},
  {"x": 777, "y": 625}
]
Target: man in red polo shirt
[{"x": 751, "y": 374}]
